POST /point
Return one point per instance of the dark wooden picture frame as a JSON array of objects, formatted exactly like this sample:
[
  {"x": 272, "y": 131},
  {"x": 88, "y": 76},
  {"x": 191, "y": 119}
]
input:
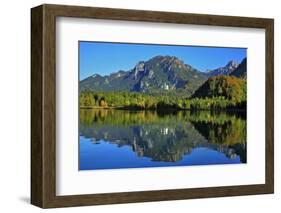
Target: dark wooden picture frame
[{"x": 43, "y": 105}]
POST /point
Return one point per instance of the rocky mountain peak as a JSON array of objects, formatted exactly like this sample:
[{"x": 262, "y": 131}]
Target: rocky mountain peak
[
  {"x": 158, "y": 74},
  {"x": 140, "y": 66},
  {"x": 226, "y": 70},
  {"x": 139, "y": 69},
  {"x": 164, "y": 59},
  {"x": 232, "y": 64}
]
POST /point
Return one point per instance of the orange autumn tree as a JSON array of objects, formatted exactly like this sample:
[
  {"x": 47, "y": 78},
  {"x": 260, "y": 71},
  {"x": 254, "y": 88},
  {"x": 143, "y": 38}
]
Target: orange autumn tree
[{"x": 229, "y": 87}]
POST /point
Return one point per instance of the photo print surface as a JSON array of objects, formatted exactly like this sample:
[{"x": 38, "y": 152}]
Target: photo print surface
[{"x": 150, "y": 105}]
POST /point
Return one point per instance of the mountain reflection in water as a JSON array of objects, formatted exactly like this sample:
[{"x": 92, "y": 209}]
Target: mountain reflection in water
[{"x": 131, "y": 139}]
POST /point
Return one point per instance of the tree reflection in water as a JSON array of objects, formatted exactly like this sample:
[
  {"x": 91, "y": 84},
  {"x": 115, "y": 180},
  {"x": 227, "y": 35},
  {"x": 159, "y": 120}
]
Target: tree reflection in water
[{"x": 167, "y": 136}]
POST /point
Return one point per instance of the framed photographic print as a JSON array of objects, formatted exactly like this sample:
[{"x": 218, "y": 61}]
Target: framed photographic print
[{"x": 136, "y": 106}]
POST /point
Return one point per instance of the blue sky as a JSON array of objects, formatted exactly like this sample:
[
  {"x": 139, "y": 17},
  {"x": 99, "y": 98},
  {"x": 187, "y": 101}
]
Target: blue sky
[{"x": 104, "y": 58}]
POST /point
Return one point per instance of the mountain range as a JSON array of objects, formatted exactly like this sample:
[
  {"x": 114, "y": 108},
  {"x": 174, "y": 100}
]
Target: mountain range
[
  {"x": 226, "y": 70},
  {"x": 160, "y": 74},
  {"x": 240, "y": 71}
]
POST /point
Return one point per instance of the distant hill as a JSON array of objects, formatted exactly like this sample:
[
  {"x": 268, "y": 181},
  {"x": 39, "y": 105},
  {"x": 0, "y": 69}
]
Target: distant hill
[
  {"x": 229, "y": 87},
  {"x": 231, "y": 68},
  {"x": 226, "y": 70},
  {"x": 159, "y": 74},
  {"x": 241, "y": 70}
]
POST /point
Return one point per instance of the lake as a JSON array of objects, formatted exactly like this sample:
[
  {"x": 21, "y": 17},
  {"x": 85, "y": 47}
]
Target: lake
[{"x": 114, "y": 139}]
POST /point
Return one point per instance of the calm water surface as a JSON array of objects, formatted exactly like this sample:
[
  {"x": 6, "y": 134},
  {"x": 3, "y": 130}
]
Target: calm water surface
[{"x": 111, "y": 139}]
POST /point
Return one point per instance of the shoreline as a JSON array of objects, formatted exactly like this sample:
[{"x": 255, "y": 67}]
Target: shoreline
[{"x": 162, "y": 109}]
